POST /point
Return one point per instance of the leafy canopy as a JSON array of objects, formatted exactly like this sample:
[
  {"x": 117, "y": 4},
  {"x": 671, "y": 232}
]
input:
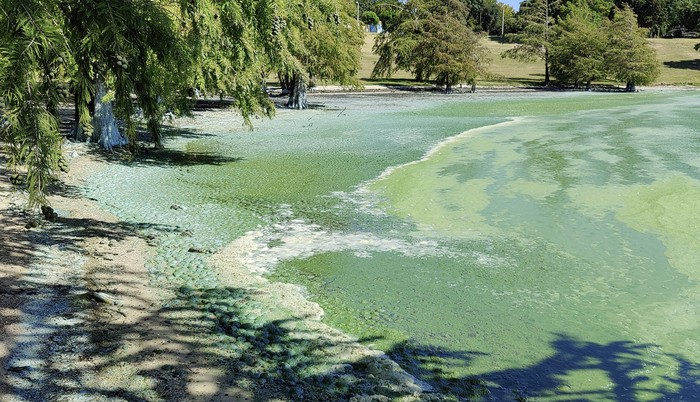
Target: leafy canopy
[{"x": 432, "y": 40}]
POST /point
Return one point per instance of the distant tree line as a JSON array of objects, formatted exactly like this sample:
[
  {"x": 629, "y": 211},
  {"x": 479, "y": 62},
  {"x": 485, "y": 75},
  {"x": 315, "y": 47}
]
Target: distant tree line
[
  {"x": 663, "y": 18},
  {"x": 579, "y": 41},
  {"x": 583, "y": 42}
]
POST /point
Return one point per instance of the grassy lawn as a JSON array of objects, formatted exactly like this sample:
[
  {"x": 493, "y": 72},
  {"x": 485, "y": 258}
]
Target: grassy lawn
[
  {"x": 680, "y": 65},
  {"x": 680, "y": 62},
  {"x": 369, "y": 59}
]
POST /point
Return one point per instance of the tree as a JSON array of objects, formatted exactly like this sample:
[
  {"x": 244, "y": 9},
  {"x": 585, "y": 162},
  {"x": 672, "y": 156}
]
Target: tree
[
  {"x": 652, "y": 14},
  {"x": 313, "y": 39},
  {"x": 117, "y": 58},
  {"x": 389, "y": 12},
  {"x": 485, "y": 15},
  {"x": 578, "y": 50},
  {"x": 629, "y": 58},
  {"x": 227, "y": 42},
  {"x": 127, "y": 48},
  {"x": 31, "y": 47},
  {"x": 510, "y": 22},
  {"x": 370, "y": 18},
  {"x": 535, "y": 40},
  {"x": 432, "y": 41}
]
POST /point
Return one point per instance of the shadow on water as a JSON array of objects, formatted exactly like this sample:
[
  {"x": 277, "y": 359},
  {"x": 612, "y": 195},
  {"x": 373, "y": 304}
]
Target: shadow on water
[
  {"x": 623, "y": 363},
  {"x": 172, "y": 157},
  {"x": 684, "y": 64},
  {"x": 164, "y": 157},
  {"x": 217, "y": 330}
]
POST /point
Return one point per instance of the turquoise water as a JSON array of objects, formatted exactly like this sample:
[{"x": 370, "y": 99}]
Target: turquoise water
[{"x": 546, "y": 244}]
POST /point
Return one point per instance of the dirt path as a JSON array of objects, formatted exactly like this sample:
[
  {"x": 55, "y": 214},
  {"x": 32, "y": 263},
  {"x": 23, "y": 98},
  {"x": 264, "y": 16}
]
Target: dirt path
[{"x": 78, "y": 319}]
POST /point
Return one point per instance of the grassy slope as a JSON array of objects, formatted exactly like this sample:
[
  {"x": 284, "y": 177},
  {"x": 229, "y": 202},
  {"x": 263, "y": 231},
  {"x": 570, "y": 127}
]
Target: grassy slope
[
  {"x": 680, "y": 61},
  {"x": 680, "y": 64}
]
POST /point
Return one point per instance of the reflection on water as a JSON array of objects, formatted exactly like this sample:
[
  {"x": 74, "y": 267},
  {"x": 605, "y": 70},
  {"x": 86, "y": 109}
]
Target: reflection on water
[{"x": 547, "y": 244}]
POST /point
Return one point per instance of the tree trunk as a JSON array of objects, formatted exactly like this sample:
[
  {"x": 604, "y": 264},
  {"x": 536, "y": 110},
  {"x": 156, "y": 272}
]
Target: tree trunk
[
  {"x": 297, "y": 93},
  {"x": 631, "y": 87},
  {"x": 448, "y": 84},
  {"x": 285, "y": 83},
  {"x": 105, "y": 131},
  {"x": 546, "y": 67},
  {"x": 156, "y": 133}
]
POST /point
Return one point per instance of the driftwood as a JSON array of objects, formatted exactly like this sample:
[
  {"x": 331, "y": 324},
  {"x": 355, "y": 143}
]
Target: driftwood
[{"x": 98, "y": 297}]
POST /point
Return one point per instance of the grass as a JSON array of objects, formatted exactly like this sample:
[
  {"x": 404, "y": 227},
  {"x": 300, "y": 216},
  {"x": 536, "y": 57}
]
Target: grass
[
  {"x": 680, "y": 65},
  {"x": 680, "y": 62}
]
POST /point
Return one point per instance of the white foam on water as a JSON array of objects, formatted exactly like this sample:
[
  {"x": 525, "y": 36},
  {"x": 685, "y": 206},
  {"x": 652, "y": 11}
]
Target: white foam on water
[{"x": 297, "y": 239}]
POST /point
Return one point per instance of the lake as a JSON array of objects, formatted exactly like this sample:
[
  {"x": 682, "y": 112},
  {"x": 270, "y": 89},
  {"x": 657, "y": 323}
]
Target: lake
[{"x": 543, "y": 244}]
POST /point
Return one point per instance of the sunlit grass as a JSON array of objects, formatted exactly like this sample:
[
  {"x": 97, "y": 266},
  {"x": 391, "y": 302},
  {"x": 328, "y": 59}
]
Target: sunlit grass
[
  {"x": 680, "y": 62},
  {"x": 680, "y": 65}
]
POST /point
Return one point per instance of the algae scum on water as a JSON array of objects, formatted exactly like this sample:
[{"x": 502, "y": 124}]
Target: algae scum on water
[{"x": 547, "y": 245}]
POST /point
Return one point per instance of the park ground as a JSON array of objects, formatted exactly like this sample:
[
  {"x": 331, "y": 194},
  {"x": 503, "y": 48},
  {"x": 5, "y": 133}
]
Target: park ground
[{"x": 109, "y": 335}]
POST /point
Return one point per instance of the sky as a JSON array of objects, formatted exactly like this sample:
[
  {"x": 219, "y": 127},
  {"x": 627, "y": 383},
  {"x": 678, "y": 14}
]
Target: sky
[{"x": 513, "y": 3}]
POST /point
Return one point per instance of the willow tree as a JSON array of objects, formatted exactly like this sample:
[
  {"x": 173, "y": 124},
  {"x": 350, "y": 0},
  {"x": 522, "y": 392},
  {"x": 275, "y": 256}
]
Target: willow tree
[
  {"x": 313, "y": 39},
  {"x": 141, "y": 54},
  {"x": 226, "y": 45},
  {"x": 534, "y": 41},
  {"x": 120, "y": 49},
  {"x": 433, "y": 41},
  {"x": 31, "y": 42}
]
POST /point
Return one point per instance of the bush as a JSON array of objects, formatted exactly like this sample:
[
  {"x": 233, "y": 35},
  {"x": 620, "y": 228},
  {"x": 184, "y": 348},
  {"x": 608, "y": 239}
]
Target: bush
[{"x": 370, "y": 18}]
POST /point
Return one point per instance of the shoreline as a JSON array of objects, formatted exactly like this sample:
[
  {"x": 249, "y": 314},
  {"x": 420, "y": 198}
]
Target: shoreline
[
  {"x": 136, "y": 338},
  {"x": 375, "y": 89},
  {"x": 138, "y": 346}
]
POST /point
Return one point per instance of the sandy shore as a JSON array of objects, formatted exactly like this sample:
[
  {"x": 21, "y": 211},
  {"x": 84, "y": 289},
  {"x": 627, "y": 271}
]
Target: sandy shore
[
  {"x": 81, "y": 320},
  {"x": 79, "y": 317}
]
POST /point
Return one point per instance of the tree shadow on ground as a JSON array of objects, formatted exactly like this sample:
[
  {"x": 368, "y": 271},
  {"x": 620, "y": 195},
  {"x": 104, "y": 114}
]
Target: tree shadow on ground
[
  {"x": 16, "y": 252},
  {"x": 402, "y": 84},
  {"x": 35, "y": 296},
  {"x": 533, "y": 82},
  {"x": 96, "y": 337},
  {"x": 684, "y": 64}
]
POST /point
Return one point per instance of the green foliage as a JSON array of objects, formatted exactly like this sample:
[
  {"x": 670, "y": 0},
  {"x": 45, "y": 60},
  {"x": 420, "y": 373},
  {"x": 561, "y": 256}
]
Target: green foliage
[
  {"x": 589, "y": 46},
  {"x": 31, "y": 44},
  {"x": 510, "y": 22},
  {"x": 134, "y": 47},
  {"x": 317, "y": 39},
  {"x": 629, "y": 58},
  {"x": 578, "y": 50},
  {"x": 225, "y": 42},
  {"x": 485, "y": 15},
  {"x": 535, "y": 39},
  {"x": 432, "y": 41},
  {"x": 389, "y": 12},
  {"x": 663, "y": 17},
  {"x": 370, "y": 18},
  {"x": 151, "y": 54}
]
